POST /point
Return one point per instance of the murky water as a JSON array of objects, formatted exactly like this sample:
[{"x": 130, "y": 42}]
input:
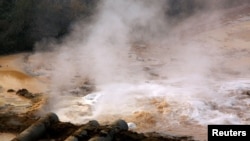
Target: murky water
[
  {"x": 176, "y": 93},
  {"x": 181, "y": 106},
  {"x": 177, "y": 90}
]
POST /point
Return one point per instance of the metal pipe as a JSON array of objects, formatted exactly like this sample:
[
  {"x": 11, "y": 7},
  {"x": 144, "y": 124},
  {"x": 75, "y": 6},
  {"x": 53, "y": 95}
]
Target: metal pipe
[
  {"x": 36, "y": 130},
  {"x": 108, "y": 134},
  {"x": 81, "y": 132}
]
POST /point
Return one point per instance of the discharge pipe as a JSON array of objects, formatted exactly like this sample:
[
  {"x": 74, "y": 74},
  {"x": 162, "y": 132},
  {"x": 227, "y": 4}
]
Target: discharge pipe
[
  {"x": 83, "y": 131},
  {"x": 108, "y": 134},
  {"x": 36, "y": 130}
]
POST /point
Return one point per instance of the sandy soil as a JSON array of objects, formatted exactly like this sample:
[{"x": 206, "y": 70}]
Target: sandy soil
[
  {"x": 12, "y": 79},
  {"x": 13, "y": 75}
]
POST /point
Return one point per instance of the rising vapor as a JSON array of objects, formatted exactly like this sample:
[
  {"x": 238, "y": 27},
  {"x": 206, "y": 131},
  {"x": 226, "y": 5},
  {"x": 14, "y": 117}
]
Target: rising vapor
[{"x": 144, "y": 64}]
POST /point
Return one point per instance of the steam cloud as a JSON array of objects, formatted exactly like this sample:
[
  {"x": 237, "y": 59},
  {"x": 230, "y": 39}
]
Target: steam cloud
[
  {"x": 102, "y": 51},
  {"x": 132, "y": 48}
]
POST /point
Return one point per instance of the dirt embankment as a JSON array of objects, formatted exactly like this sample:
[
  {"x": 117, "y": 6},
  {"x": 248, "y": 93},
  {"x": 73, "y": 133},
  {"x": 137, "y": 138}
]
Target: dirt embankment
[{"x": 50, "y": 128}]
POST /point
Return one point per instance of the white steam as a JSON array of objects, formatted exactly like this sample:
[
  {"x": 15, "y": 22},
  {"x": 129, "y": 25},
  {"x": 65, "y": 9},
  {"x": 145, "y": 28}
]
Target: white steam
[{"x": 142, "y": 67}]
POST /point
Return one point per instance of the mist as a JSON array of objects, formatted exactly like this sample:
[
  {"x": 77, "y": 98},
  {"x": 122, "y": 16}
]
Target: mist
[
  {"x": 100, "y": 51},
  {"x": 145, "y": 65}
]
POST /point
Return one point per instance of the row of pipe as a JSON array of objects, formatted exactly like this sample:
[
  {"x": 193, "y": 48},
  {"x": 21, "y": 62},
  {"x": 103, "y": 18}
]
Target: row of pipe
[{"x": 39, "y": 128}]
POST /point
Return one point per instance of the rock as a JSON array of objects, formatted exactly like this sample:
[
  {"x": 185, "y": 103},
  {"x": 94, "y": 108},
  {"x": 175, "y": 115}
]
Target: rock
[
  {"x": 25, "y": 93},
  {"x": 11, "y": 91},
  {"x": 246, "y": 92}
]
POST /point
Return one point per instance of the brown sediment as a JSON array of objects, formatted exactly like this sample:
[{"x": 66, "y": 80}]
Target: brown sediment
[
  {"x": 13, "y": 73},
  {"x": 15, "y": 123},
  {"x": 12, "y": 80},
  {"x": 161, "y": 105},
  {"x": 242, "y": 35},
  {"x": 144, "y": 119}
]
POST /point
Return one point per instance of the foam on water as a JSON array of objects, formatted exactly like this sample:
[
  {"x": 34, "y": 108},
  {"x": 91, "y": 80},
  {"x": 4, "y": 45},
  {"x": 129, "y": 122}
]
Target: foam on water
[
  {"x": 149, "y": 74},
  {"x": 222, "y": 104}
]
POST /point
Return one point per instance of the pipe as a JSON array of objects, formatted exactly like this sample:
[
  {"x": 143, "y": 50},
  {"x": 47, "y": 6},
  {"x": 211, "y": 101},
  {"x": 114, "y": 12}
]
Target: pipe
[
  {"x": 81, "y": 132},
  {"x": 108, "y": 134},
  {"x": 36, "y": 130}
]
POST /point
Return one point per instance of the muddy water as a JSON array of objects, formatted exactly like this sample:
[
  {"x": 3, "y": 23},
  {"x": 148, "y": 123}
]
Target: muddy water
[{"x": 180, "y": 94}]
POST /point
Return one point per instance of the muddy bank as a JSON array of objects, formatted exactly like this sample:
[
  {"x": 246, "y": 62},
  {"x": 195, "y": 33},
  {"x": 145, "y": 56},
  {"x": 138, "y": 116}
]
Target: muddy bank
[
  {"x": 27, "y": 125},
  {"x": 48, "y": 127}
]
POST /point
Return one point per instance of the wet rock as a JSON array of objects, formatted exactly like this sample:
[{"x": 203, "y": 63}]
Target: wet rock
[
  {"x": 25, "y": 93},
  {"x": 86, "y": 88},
  {"x": 11, "y": 91},
  {"x": 246, "y": 92}
]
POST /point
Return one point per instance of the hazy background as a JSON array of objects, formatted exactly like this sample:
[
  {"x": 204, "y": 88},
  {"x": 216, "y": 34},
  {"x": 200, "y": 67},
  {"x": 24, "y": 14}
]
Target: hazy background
[{"x": 26, "y": 22}]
